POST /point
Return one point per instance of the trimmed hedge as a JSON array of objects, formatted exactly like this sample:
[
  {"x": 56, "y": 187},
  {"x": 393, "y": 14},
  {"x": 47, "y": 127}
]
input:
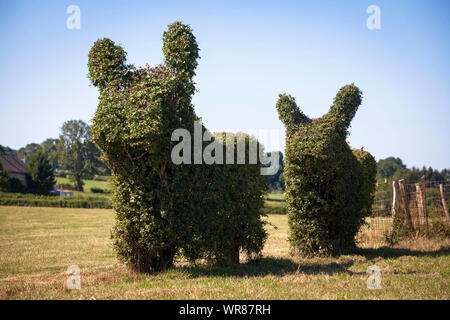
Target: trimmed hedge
[
  {"x": 210, "y": 211},
  {"x": 329, "y": 186},
  {"x": 274, "y": 207},
  {"x": 31, "y": 200}
]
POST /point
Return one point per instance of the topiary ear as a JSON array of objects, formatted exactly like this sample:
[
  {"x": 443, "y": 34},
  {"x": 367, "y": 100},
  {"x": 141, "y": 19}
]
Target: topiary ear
[
  {"x": 107, "y": 63},
  {"x": 346, "y": 104},
  {"x": 289, "y": 113},
  {"x": 180, "y": 49}
]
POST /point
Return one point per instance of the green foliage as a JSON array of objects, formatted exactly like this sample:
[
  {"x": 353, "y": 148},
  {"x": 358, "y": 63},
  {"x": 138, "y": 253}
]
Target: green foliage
[
  {"x": 329, "y": 188},
  {"x": 274, "y": 207},
  {"x": 78, "y": 153},
  {"x": 180, "y": 49},
  {"x": 236, "y": 224},
  {"x": 5, "y": 183},
  {"x": 393, "y": 169},
  {"x": 107, "y": 63},
  {"x": 28, "y": 150},
  {"x": 41, "y": 173},
  {"x": 98, "y": 190},
  {"x": 50, "y": 149},
  {"x": 4, "y": 149},
  {"x": 17, "y": 186},
  {"x": 162, "y": 208},
  {"x": 369, "y": 171},
  {"x": 276, "y": 181}
]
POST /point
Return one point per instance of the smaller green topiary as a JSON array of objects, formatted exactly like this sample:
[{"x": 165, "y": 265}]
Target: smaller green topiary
[{"x": 329, "y": 187}]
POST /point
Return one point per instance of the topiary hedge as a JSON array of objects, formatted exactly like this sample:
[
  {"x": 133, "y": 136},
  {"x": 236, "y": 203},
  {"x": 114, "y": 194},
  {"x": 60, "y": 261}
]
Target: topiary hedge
[
  {"x": 163, "y": 208},
  {"x": 329, "y": 188}
]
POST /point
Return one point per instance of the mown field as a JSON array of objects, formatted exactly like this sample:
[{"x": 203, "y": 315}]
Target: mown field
[
  {"x": 38, "y": 244},
  {"x": 104, "y": 185}
]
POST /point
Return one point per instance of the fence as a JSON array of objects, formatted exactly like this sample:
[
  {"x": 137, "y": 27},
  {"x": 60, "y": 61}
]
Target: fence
[{"x": 422, "y": 204}]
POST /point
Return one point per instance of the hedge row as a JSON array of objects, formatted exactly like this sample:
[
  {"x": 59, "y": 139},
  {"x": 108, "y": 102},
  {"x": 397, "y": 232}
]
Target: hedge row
[
  {"x": 29, "y": 200},
  {"x": 18, "y": 199},
  {"x": 274, "y": 207}
]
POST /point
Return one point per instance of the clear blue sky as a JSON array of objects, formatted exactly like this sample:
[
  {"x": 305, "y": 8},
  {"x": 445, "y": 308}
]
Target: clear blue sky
[{"x": 250, "y": 52}]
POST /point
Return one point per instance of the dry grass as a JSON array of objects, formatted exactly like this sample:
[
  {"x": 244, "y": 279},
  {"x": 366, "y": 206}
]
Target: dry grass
[{"x": 38, "y": 244}]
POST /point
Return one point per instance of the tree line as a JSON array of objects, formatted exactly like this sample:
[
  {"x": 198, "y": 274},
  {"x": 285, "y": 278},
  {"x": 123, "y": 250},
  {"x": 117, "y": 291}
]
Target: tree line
[
  {"x": 393, "y": 168},
  {"x": 72, "y": 154}
]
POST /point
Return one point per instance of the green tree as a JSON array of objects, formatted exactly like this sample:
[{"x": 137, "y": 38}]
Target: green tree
[
  {"x": 51, "y": 151},
  {"x": 28, "y": 150},
  {"x": 5, "y": 184},
  {"x": 386, "y": 168},
  {"x": 41, "y": 173},
  {"x": 276, "y": 180},
  {"x": 78, "y": 153}
]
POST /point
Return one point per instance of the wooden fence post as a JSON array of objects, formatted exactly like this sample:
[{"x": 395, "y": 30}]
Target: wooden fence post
[
  {"x": 394, "y": 198},
  {"x": 419, "y": 199},
  {"x": 444, "y": 203},
  {"x": 405, "y": 204},
  {"x": 424, "y": 197}
]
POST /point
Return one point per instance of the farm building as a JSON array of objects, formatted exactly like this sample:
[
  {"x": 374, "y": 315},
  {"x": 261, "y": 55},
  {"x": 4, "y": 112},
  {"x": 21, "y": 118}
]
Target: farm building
[{"x": 14, "y": 167}]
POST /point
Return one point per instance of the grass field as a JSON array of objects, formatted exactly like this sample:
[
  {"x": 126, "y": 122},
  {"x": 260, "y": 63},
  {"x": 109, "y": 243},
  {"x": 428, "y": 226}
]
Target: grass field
[
  {"x": 38, "y": 244},
  {"x": 88, "y": 184}
]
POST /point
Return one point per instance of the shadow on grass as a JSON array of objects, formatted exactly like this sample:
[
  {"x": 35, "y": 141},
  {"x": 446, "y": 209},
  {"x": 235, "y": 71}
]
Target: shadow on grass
[
  {"x": 283, "y": 266},
  {"x": 263, "y": 267},
  {"x": 268, "y": 266},
  {"x": 389, "y": 252}
]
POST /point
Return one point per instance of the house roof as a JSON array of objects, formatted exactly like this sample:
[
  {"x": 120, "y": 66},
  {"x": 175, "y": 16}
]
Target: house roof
[{"x": 12, "y": 164}]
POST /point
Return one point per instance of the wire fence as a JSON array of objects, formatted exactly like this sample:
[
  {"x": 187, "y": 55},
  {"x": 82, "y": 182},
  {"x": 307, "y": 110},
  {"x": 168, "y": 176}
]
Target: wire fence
[{"x": 422, "y": 204}]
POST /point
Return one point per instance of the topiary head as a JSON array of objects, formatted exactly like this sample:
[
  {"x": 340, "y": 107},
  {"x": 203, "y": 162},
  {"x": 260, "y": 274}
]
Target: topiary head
[
  {"x": 180, "y": 49},
  {"x": 107, "y": 64}
]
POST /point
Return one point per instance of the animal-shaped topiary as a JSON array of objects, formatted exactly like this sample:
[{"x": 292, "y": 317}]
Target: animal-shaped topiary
[
  {"x": 329, "y": 187},
  {"x": 163, "y": 208}
]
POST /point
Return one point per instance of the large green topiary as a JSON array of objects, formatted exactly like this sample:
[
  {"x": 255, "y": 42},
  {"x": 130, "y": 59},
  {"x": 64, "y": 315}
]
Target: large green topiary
[
  {"x": 163, "y": 208},
  {"x": 329, "y": 188}
]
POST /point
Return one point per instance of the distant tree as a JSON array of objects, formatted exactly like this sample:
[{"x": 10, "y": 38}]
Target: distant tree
[
  {"x": 28, "y": 150},
  {"x": 445, "y": 173},
  {"x": 406, "y": 174},
  {"x": 386, "y": 168},
  {"x": 4, "y": 149},
  {"x": 41, "y": 173},
  {"x": 50, "y": 148},
  {"x": 5, "y": 185},
  {"x": 78, "y": 153},
  {"x": 276, "y": 181}
]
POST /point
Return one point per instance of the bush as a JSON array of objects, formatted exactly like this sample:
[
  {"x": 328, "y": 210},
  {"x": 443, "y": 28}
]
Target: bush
[
  {"x": 274, "y": 207},
  {"x": 61, "y": 174},
  {"x": 329, "y": 188},
  {"x": 17, "y": 186},
  {"x": 98, "y": 190},
  {"x": 162, "y": 208}
]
